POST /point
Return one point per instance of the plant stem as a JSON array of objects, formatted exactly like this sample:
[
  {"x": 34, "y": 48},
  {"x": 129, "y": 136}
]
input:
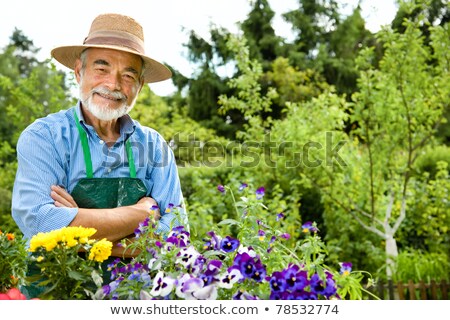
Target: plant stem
[
  {"x": 289, "y": 251},
  {"x": 234, "y": 203}
]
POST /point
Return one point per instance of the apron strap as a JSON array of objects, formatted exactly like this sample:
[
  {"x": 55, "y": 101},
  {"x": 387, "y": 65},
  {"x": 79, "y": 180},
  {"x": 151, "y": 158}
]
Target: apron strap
[
  {"x": 130, "y": 159},
  {"x": 87, "y": 151},
  {"x": 85, "y": 146}
]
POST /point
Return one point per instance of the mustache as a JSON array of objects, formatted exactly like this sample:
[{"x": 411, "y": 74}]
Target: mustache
[{"x": 108, "y": 93}]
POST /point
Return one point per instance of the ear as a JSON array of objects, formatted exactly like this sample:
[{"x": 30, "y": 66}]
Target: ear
[{"x": 77, "y": 70}]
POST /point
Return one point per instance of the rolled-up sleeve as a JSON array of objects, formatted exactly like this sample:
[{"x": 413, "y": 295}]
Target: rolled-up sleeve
[
  {"x": 166, "y": 189},
  {"x": 39, "y": 167}
]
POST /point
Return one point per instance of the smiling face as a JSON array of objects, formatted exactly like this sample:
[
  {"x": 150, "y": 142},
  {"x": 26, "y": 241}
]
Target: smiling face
[{"x": 109, "y": 80}]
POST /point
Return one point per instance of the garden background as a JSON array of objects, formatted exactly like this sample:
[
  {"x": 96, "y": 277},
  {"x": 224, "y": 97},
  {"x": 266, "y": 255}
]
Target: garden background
[{"x": 342, "y": 126}]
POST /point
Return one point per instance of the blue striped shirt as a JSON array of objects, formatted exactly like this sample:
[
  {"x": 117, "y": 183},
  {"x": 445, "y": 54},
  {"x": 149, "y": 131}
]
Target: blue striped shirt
[{"x": 49, "y": 152}]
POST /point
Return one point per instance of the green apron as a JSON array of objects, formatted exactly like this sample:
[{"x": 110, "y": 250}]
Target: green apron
[
  {"x": 99, "y": 193},
  {"x": 103, "y": 193}
]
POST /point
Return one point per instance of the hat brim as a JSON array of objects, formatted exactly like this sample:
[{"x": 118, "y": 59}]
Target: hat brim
[{"x": 154, "y": 70}]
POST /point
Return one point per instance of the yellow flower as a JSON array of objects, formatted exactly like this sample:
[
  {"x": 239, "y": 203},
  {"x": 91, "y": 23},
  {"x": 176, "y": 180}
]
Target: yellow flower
[
  {"x": 39, "y": 259},
  {"x": 67, "y": 236},
  {"x": 71, "y": 242},
  {"x": 37, "y": 241},
  {"x": 100, "y": 251},
  {"x": 84, "y": 234}
]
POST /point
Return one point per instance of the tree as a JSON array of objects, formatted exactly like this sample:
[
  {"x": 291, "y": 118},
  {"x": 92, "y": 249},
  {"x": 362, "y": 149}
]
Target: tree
[
  {"x": 208, "y": 54},
  {"x": 264, "y": 45},
  {"x": 397, "y": 110},
  {"x": 29, "y": 89},
  {"x": 313, "y": 22},
  {"x": 365, "y": 175},
  {"x": 431, "y": 13},
  {"x": 328, "y": 42}
]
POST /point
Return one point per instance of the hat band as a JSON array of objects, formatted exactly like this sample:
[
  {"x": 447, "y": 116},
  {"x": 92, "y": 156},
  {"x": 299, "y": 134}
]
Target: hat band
[{"x": 115, "y": 41}]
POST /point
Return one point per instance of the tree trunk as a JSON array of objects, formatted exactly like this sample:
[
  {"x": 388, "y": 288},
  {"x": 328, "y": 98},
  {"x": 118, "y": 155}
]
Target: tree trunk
[{"x": 391, "y": 255}]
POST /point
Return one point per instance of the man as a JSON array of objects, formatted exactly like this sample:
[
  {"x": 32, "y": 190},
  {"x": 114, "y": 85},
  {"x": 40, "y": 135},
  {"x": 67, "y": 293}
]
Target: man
[{"x": 92, "y": 165}]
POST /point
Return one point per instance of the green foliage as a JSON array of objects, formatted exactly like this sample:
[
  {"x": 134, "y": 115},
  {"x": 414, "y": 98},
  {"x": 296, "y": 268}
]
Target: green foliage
[
  {"x": 427, "y": 161},
  {"x": 224, "y": 267},
  {"x": 365, "y": 175},
  {"x": 63, "y": 273},
  {"x": 192, "y": 143},
  {"x": 417, "y": 265},
  {"x": 6, "y": 181},
  {"x": 434, "y": 12},
  {"x": 358, "y": 129},
  {"x": 313, "y": 21},
  {"x": 13, "y": 264},
  {"x": 433, "y": 17},
  {"x": 264, "y": 45},
  {"x": 292, "y": 84},
  {"x": 200, "y": 191},
  {"x": 429, "y": 225},
  {"x": 29, "y": 89},
  {"x": 249, "y": 100},
  {"x": 337, "y": 60}
]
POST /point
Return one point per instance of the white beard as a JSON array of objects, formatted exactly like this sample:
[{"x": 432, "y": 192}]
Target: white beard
[{"x": 104, "y": 112}]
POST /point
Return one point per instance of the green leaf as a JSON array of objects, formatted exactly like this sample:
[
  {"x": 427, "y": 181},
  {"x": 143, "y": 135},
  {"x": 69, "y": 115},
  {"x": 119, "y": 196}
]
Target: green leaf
[
  {"x": 76, "y": 275},
  {"x": 98, "y": 280},
  {"x": 228, "y": 222}
]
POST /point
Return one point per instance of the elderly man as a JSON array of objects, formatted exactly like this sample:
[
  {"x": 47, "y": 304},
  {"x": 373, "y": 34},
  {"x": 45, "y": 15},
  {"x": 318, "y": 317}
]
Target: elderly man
[{"x": 92, "y": 165}]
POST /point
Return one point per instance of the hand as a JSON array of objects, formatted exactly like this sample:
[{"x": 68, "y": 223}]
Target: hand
[
  {"x": 62, "y": 198},
  {"x": 147, "y": 203}
]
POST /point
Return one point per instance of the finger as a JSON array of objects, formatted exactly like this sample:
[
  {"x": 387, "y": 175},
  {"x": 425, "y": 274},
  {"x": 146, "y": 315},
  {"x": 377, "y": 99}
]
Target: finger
[
  {"x": 63, "y": 194},
  {"x": 61, "y": 200},
  {"x": 59, "y": 205},
  {"x": 60, "y": 190}
]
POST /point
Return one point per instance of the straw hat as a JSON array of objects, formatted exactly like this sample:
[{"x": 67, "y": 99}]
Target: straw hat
[{"x": 118, "y": 32}]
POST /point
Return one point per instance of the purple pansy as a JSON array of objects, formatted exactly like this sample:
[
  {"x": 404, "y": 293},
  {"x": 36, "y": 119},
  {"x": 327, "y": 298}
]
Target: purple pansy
[
  {"x": 162, "y": 286},
  {"x": 242, "y": 186},
  {"x": 229, "y": 244},
  {"x": 277, "y": 282},
  {"x": 169, "y": 207},
  {"x": 249, "y": 267},
  {"x": 221, "y": 188},
  {"x": 244, "y": 295},
  {"x": 141, "y": 227},
  {"x": 346, "y": 268},
  {"x": 178, "y": 237},
  {"x": 309, "y": 227},
  {"x": 270, "y": 246},
  {"x": 187, "y": 256},
  {"x": 260, "y": 192},
  {"x": 296, "y": 279},
  {"x": 213, "y": 243},
  {"x": 325, "y": 287},
  {"x": 228, "y": 279},
  {"x": 194, "y": 288},
  {"x": 301, "y": 295}
]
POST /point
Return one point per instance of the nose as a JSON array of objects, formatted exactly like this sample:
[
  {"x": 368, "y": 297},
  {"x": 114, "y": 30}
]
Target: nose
[{"x": 114, "y": 82}]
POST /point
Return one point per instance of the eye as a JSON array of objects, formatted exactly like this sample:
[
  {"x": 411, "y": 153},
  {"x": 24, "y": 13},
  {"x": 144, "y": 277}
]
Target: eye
[{"x": 129, "y": 77}]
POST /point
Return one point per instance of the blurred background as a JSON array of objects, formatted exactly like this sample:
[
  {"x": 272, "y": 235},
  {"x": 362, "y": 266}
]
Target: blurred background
[{"x": 339, "y": 109}]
